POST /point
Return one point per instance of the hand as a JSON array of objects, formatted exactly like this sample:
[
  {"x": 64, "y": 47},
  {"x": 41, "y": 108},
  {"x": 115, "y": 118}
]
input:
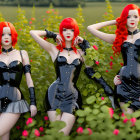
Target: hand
[
  {"x": 78, "y": 40},
  {"x": 117, "y": 80},
  {"x": 33, "y": 110},
  {"x": 59, "y": 39}
]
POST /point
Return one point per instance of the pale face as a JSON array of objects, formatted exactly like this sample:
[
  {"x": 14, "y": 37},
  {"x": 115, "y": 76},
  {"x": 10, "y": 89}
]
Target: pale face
[
  {"x": 132, "y": 19},
  {"x": 6, "y": 37},
  {"x": 68, "y": 34}
]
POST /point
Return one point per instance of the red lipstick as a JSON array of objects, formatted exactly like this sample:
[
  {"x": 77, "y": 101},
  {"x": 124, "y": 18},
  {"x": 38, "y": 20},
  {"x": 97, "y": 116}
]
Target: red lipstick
[{"x": 132, "y": 23}]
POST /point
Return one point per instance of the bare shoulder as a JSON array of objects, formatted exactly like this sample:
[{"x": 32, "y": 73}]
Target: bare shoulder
[{"x": 25, "y": 57}]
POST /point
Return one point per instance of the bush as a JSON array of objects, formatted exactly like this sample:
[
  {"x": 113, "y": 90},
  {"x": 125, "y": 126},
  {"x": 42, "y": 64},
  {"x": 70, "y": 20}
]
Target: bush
[{"x": 97, "y": 120}]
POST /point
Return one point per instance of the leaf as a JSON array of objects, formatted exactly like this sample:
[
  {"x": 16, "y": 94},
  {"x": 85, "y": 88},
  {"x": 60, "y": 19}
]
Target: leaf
[
  {"x": 89, "y": 118},
  {"x": 96, "y": 75},
  {"x": 90, "y": 99},
  {"x": 137, "y": 124},
  {"x": 85, "y": 92},
  {"x": 80, "y": 120},
  {"x": 95, "y": 111},
  {"x": 136, "y": 114},
  {"x": 80, "y": 113}
]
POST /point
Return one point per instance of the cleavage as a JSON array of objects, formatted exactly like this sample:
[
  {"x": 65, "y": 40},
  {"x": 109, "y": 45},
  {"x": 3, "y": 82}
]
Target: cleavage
[
  {"x": 12, "y": 62},
  {"x": 63, "y": 59}
]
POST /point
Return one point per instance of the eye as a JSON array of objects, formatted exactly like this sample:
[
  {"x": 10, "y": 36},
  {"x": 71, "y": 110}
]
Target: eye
[
  {"x": 64, "y": 29},
  {"x": 2, "y": 34},
  {"x": 9, "y": 34},
  {"x": 135, "y": 16},
  {"x": 72, "y": 30},
  {"x": 128, "y": 17}
]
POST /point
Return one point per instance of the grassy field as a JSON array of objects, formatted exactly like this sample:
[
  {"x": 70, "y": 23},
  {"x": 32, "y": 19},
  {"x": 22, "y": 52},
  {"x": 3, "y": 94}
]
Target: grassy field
[{"x": 92, "y": 12}]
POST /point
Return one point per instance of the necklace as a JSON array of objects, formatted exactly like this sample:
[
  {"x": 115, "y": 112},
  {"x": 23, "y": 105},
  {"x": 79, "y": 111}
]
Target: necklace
[
  {"x": 4, "y": 51},
  {"x": 133, "y": 33},
  {"x": 68, "y": 49}
]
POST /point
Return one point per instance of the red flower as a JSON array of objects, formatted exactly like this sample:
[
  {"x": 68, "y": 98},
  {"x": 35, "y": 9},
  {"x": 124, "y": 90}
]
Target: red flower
[
  {"x": 47, "y": 12},
  {"x": 32, "y": 18},
  {"x": 46, "y": 118},
  {"x": 79, "y": 130},
  {"x": 125, "y": 120},
  {"x": 121, "y": 64},
  {"x": 102, "y": 98},
  {"x": 30, "y": 22},
  {"x": 105, "y": 13},
  {"x": 111, "y": 112},
  {"x": 123, "y": 115},
  {"x": 20, "y": 29},
  {"x": 31, "y": 60},
  {"x": 97, "y": 62},
  {"x": 90, "y": 131},
  {"x": 41, "y": 129},
  {"x": 30, "y": 120},
  {"x": 111, "y": 63},
  {"x": 52, "y": 9},
  {"x": 95, "y": 47},
  {"x": 116, "y": 132},
  {"x": 111, "y": 57},
  {"x": 37, "y": 133},
  {"x": 133, "y": 120},
  {"x": 25, "y": 133},
  {"x": 18, "y": 127},
  {"x": 106, "y": 70}
]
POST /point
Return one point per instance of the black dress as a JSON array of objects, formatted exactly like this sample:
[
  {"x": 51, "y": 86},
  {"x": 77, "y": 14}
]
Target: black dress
[
  {"x": 11, "y": 98},
  {"x": 129, "y": 89},
  {"x": 63, "y": 93}
]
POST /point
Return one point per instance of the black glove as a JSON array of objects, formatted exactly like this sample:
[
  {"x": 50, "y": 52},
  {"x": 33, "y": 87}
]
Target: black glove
[
  {"x": 90, "y": 72},
  {"x": 84, "y": 45},
  {"x": 50, "y": 34},
  {"x": 32, "y": 96},
  {"x": 108, "y": 90}
]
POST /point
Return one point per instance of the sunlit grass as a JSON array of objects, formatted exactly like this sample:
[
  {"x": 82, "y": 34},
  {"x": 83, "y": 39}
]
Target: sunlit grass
[{"x": 92, "y": 12}]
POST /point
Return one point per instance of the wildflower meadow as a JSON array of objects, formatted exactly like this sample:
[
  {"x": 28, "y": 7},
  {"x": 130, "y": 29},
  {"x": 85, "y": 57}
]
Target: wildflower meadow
[{"x": 97, "y": 120}]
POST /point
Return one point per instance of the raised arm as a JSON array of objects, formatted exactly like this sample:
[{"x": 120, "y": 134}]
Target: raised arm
[
  {"x": 49, "y": 47},
  {"x": 27, "y": 71},
  {"x": 94, "y": 29}
]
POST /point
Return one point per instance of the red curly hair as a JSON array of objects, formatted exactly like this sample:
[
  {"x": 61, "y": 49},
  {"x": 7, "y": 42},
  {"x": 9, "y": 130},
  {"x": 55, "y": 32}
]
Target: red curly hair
[
  {"x": 121, "y": 31},
  {"x": 68, "y": 23},
  {"x": 14, "y": 34}
]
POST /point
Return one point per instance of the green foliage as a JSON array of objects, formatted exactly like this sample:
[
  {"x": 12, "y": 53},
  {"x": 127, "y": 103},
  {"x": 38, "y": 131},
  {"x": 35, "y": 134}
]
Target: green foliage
[{"x": 96, "y": 113}]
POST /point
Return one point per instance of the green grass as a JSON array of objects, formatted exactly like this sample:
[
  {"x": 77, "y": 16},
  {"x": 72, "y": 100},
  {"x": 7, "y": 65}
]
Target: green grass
[{"x": 92, "y": 12}]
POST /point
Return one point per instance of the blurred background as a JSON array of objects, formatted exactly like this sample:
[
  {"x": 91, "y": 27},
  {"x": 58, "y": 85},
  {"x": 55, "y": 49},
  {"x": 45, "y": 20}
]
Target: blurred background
[{"x": 92, "y": 9}]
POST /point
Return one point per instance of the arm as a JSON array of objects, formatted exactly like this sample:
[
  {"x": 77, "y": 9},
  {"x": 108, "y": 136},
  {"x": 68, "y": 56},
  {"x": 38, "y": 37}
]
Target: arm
[
  {"x": 94, "y": 29},
  {"x": 29, "y": 81},
  {"x": 90, "y": 72},
  {"x": 49, "y": 47}
]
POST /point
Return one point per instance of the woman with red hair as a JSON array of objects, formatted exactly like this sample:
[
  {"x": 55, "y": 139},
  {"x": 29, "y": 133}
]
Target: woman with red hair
[
  {"x": 12, "y": 65},
  {"x": 127, "y": 41},
  {"x": 63, "y": 93}
]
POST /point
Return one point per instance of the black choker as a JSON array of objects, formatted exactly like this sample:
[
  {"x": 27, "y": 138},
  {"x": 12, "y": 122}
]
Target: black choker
[
  {"x": 68, "y": 49},
  {"x": 134, "y": 32},
  {"x": 8, "y": 50}
]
